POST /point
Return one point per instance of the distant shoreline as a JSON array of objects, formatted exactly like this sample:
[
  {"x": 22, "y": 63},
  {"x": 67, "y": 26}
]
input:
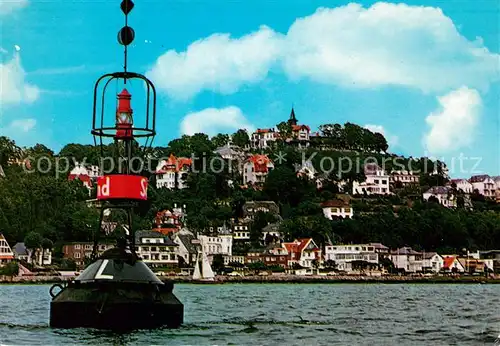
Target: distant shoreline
[{"x": 282, "y": 279}]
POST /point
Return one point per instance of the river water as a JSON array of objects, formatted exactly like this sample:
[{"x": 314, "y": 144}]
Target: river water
[{"x": 284, "y": 314}]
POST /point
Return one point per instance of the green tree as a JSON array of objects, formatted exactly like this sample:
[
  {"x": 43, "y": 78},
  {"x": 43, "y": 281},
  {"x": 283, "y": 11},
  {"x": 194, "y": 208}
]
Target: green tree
[
  {"x": 218, "y": 263},
  {"x": 33, "y": 241},
  {"x": 220, "y": 140},
  {"x": 240, "y": 138}
]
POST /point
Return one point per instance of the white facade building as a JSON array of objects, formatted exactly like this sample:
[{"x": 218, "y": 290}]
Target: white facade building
[
  {"x": 172, "y": 173},
  {"x": 407, "y": 259},
  {"x": 156, "y": 249},
  {"x": 256, "y": 169},
  {"x": 404, "y": 177},
  {"x": 432, "y": 261},
  {"x": 484, "y": 185},
  {"x": 443, "y": 194},
  {"x": 86, "y": 174},
  {"x": 241, "y": 232},
  {"x": 462, "y": 185},
  {"x": 344, "y": 255},
  {"x": 263, "y": 138},
  {"x": 337, "y": 208},
  {"x": 376, "y": 183},
  {"x": 221, "y": 244}
]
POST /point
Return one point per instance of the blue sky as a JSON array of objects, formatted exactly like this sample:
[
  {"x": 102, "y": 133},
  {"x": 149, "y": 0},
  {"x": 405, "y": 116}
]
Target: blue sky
[{"x": 426, "y": 73}]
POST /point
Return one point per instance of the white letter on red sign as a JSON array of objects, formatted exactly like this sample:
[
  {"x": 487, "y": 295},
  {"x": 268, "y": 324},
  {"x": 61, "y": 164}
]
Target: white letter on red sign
[
  {"x": 105, "y": 188},
  {"x": 144, "y": 187}
]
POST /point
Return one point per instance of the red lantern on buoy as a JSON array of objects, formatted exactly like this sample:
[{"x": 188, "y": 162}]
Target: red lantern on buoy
[{"x": 124, "y": 120}]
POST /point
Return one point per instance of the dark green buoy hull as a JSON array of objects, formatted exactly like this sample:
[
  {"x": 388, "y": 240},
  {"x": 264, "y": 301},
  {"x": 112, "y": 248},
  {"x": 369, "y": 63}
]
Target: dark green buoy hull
[{"x": 116, "y": 294}]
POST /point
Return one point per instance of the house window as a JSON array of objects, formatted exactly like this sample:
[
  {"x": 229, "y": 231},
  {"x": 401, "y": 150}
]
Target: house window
[
  {"x": 347, "y": 210},
  {"x": 333, "y": 210},
  {"x": 77, "y": 247},
  {"x": 77, "y": 255}
]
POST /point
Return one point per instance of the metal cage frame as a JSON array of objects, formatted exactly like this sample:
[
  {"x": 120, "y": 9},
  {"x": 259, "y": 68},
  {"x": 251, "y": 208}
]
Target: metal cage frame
[{"x": 102, "y": 131}]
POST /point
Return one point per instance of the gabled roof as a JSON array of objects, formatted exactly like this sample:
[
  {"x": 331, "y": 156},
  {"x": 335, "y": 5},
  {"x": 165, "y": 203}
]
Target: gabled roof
[
  {"x": 300, "y": 127},
  {"x": 479, "y": 178},
  {"x": 429, "y": 255},
  {"x": 173, "y": 164},
  {"x": 448, "y": 261},
  {"x": 300, "y": 245}
]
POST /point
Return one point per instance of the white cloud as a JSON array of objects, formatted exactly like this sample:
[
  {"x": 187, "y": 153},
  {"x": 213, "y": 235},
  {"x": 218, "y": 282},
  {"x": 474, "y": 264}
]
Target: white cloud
[
  {"x": 22, "y": 125},
  {"x": 9, "y": 6},
  {"x": 391, "y": 139},
  {"x": 453, "y": 125},
  {"x": 217, "y": 63},
  {"x": 214, "y": 120},
  {"x": 13, "y": 87},
  {"x": 385, "y": 44}
]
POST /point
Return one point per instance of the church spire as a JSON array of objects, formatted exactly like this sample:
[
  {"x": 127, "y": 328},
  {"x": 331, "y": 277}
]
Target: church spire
[{"x": 293, "y": 119}]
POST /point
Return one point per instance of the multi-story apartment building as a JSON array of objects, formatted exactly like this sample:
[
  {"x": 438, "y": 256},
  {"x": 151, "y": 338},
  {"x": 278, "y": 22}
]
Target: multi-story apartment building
[
  {"x": 404, "y": 178},
  {"x": 156, "y": 249},
  {"x": 376, "y": 183},
  {"x": 78, "y": 251},
  {"x": 345, "y": 255}
]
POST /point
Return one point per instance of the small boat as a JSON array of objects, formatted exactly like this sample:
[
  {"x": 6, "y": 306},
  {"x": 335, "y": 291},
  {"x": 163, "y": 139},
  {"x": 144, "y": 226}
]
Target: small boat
[{"x": 202, "y": 270}]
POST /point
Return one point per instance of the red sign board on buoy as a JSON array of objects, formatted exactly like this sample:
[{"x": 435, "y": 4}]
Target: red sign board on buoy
[{"x": 121, "y": 186}]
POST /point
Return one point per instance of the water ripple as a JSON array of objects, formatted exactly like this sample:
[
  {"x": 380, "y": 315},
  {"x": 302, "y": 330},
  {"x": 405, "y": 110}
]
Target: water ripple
[{"x": 263, "y": 314}]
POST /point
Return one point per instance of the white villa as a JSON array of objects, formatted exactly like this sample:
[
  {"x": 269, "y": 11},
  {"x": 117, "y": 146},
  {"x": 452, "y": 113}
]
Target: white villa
[
  {"x": 432, "y": 261},
  {"x": 256, "y": 168},
  {"x": 407, "y": 259},
  {"x": 443, "y": 194},
  {"x": 172, "y": 173},
  {"x": 376, "y": 183},
  {"x": 303, "y": 252},
  {"x": 484, "y": 184},
  {"x": 462, "y": 184},
  {"x": 215, "y": 245},
  {"x": 337, "y": 208},
  {"x": 263, "y": 138}
]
